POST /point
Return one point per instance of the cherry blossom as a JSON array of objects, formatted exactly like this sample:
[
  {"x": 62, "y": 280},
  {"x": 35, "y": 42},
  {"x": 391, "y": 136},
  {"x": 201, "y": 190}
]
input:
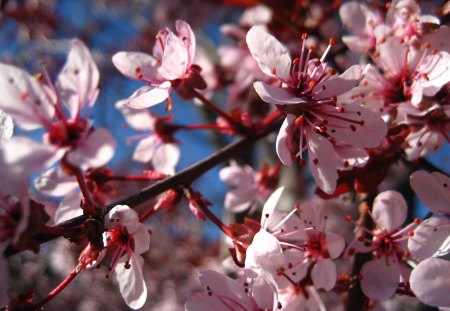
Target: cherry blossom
[
  {"x": 6, "y": 127},
  {"x": 249, "y": 186},
  {"x": 432, "y": 237},
  {"x": 381, "y": 275},
  {"x": 171, "y": 66},
  {"x": 159, "y": 146},
  {"x": 34, "y": 102},
  {"x": 308, "y": 98},
  {"x": 287, "y": 248},
  {"x": 249, "y": 293},
  {"x": 128, "y": 238}
]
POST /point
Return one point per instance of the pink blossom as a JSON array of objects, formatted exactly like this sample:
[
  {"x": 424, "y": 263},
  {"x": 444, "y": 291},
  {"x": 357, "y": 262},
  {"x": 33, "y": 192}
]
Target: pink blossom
[
  {"x": 382, "y": 275},
  {"x": 34, "y": 104},
  {"x": 430, "y": 281},
  {"x": 127, "y": 238},
  {"x": 158, "y": 146},
  {"x": 249, "y": 186},
  {"x": 171, "y": 66},
  {"x": 249, "y": 293},
  {"x": 432, "y": 236},
  {"x": 288, "y": 246},
  {"x": 307, "y": 97}
]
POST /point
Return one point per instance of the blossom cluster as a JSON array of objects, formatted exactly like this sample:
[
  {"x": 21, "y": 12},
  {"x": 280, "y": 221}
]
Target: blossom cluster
[{"x": 326, "y": 222}]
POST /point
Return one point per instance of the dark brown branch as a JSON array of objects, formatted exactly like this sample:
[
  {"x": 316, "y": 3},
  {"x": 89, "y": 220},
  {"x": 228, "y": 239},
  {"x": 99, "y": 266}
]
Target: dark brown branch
[{"x": 185, "y": 177}]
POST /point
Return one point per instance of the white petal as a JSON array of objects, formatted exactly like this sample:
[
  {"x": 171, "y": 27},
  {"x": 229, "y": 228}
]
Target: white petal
[
  {"x": 138, "y": 119},
  {"x": 275, "y": 95},
  {"x": 361, "y": 127},
  {"x": 335, "y": 244},
  {"x": 55, "y": 182},
  {"x": 131, "y": 64},
  {"x": 269, "y": 208},
  {"x": 69, "y": 207},
  {"x": 389, "y": 210},
  {"x": 146, "y": 149},
  {"x": 240, "y": 199},
  {"x": 141, "y": 238},
  {"x": 131, "y": 282},
  {"x": 23, "y": 98},
  {"x": 433, "y": 190},
  {"x": 324, "y": 274},
  {"x": 6, "y": 128},
  {"x": 77, "y": 83},
  {"x": 166, "y": 158},
  {"x": 431, "y": 237},
  {"x": 154, "y": 95},
  {"x": 430, "y": 281},
  {"x": 235, "y": 175},
  {"x": 264, "y": 245},
  {"x": 269, "y": 53},
  {"x": 284, "y": 139},
  {"x": 380, "y": 280},
  {"x": 322, "y": 162},
  {"x": 96, "y": 151},
  {"x": 175, "y": 58}
]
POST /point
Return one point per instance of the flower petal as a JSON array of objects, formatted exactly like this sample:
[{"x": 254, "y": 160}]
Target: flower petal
[
  {"x": 433, "y": 190},
  {"x": 335, "y": 244},
  {"x": 269, "y": 53},
  {"x": 55, "y": 182},
  {"x": 166, "y": 158},
  {"x": 284, "y": 139},
  {"x": 430, "y": 281},
  {"x": 148, "y": 96},
  {"x": 389, "y": 210},
  {"x": 322, "y": 162},
  {"x": 77, "y": 83},
  {"x": 146, "y": 149},
  {"x": 269, "y": 208},
  {"x": 134, "y": 64},
  {"x": 69, "y": 207},
  {"x": 341, "y": 84},
  {"x": 324, "y": 274},
  {"x": 175, "y": 58},
  {"x": 185, "y": 32},
  {"x": 431, "y": 238},
  {"x": 131, "y": 282},
  {"x": 138, "y": 119},
  {"x": 275, "y": 95},
  {"x": 380, "y": 280},
  {"x": 23, "y": 98},
  {"x": 95, "y": 151}
]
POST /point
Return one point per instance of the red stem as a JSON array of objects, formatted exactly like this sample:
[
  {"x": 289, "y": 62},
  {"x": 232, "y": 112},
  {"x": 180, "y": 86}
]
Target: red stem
[
  {"x": 237, "y": 125},
  {"x": 57, "y": 289}
]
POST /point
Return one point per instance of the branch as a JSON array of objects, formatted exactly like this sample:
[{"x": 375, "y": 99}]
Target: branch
[{"x": 185, "y": 177}]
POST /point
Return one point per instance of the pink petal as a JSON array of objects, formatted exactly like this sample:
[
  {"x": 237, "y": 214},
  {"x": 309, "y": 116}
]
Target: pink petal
[
  {"x": 77, "y": 83},
  {"x": 259, "y": 253},
  {"x": 24, "y": 99},
  {"x": 324, "y": 274},
  {"x": 148, "y": 96},
  {"x": 55, "y": 182},
  {"x": 269, "y": 53},
  {"x": 322, "y": 162},
  {"x": 235, "y": 175},
  {"x": 269, "y": 208},
  {"x": 175, "y": 59},
  {"x": 275, "y": 95},
  {"x": 132, "y": 64},
  {"x": 433, "y": 190},
  {"x": 389, "y": 210},
  {"x": 360, "y": 127},
  {"x": 146, "y": 149},
  {"x": 239, "y": 199},
  {"x": 439, "y": 39},
  {"x": 353, "y": 15},
  {"x": 141, "y": 238},
  {"x": 341, "y": 84},
  {"x": 335, "y": 244},
  {"x": 430, "y": 238},
  {"x": 131, "y": 282},
  {"x": 284, "y": 139},
  {"x": 138, "y": 119},
  {"x": 264, "y": 293},
  {"x": 185, "y": 32},
  {"x": 380, "y": 280},
  {"x": 95, "y": 151},
  {"x": 392, "y": 58},
  {"x": 351, "y": 157},
  {"x": 21, "y": 157},
  {"x": 166, "y": 158},
  {"x": 430, "y": 281},
  {"x": 257, "y": 15},
  {"x": 69, "y": 207},
  {"x": 437, "y": 69}
]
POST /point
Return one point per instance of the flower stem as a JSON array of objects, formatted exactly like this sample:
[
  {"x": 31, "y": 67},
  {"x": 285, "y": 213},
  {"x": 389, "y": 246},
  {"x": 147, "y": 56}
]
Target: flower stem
[{"x": 57, "y": 289}]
